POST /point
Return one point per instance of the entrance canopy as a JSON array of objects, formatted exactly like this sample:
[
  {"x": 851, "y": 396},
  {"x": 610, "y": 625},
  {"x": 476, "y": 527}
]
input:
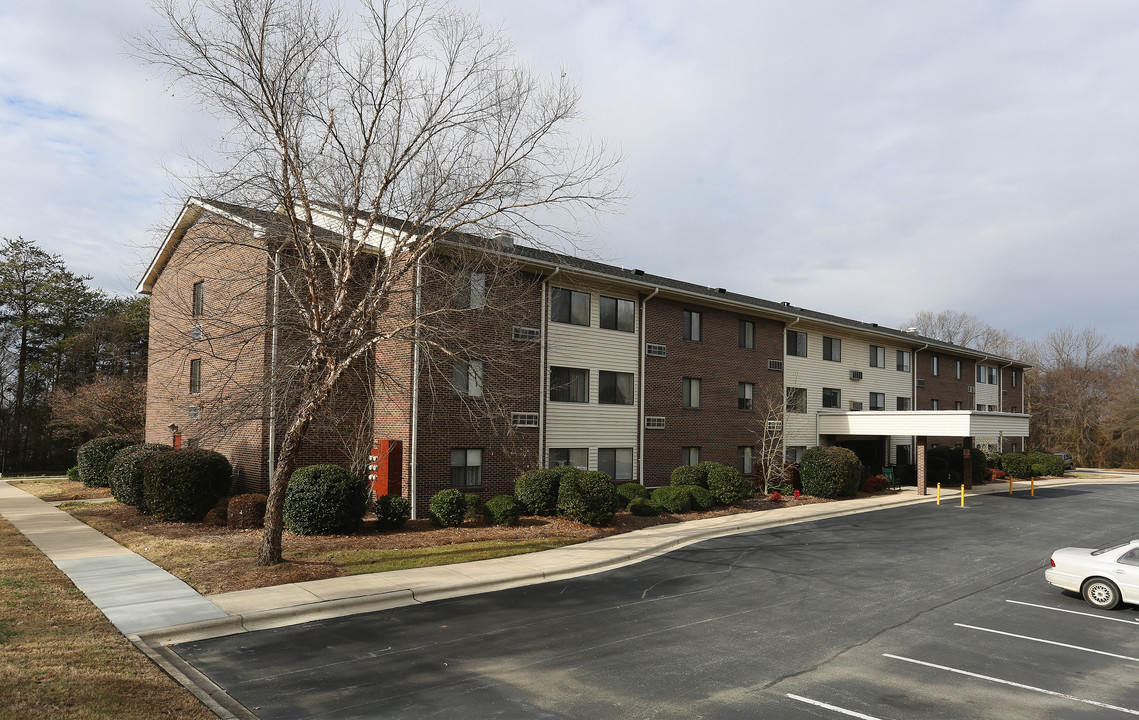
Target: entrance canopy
[{"x": 932, "y": 423}]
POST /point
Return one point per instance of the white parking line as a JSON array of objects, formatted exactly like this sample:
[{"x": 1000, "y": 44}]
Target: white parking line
[
  {"x": 1074, "y": 612},
  {"x": 1049, "y": 642},
  {"x": 1013, "y": 684},
  {"x": 837, "y": 709}
]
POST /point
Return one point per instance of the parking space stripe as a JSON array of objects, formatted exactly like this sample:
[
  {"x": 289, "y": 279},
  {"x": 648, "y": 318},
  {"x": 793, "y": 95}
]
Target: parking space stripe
[
  {"x": 835, "y": 708},
  {"x": 1010, "y": 683},
  {"x": 1048, "y": 642},
  {"x": 1073, "y": 612}
]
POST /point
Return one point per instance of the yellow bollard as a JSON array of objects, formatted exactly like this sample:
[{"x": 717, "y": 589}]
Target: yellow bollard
[
  {"x": 1033, "y": 487},
  {"x": 962, "y": 496},
  {"x": 939, "y": 493},
  {"x": 1010, "y": 484}
]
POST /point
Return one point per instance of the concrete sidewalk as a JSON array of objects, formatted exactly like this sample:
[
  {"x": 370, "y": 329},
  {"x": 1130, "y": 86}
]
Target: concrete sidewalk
[{"x": 155, "y": 608}]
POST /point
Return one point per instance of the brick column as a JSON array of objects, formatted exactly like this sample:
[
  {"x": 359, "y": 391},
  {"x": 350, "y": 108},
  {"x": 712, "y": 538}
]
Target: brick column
[
  {"x": 967, "y": 462},
  {"x": 919, "y": 461}
]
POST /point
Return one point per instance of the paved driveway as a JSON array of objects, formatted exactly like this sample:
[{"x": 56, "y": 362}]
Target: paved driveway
[{"x": 917, "y": 612}]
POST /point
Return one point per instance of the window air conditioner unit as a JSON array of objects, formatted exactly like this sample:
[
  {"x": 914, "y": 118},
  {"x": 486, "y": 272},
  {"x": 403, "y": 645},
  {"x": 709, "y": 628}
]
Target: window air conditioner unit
[
  {"x": 524, "y": 419},
  {"x": 654, "y": 423},
  {"x": 196, "y": 332},
  {"x": 1004, "y": 393},
  {"x": 526, "y": 334},
  {"x": 656, "y": 350},
  {"x": 970, "y": 388},
  {"x": 775, "y": 365},
  {"x": 855, "y": 405},
  {"x": 855, "y": 374},
  {"x": 194, "y": 412},
  {"x": 774, "y": 425},
  {"x": 921, "y": 383}
]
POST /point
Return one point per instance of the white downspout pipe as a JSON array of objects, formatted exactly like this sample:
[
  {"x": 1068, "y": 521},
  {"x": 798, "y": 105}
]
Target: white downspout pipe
[
  {"x": 641, "y": 393},
  {"x": 413, "y": 450}
]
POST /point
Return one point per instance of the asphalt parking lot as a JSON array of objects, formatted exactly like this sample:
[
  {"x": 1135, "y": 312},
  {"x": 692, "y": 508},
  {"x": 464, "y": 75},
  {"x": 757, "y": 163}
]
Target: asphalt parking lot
[{"x": 914, "y": 612}]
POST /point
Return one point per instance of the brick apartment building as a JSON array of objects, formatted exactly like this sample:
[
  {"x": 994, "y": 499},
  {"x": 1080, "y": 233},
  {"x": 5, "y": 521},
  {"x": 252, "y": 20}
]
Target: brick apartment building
[{"x": 592, "y": 365}]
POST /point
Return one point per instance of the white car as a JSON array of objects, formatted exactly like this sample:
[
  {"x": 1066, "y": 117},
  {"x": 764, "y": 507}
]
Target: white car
[{"x": 1105, "y": 576}]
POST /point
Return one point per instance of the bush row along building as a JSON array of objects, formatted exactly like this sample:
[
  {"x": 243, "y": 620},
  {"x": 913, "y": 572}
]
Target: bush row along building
[{"x": 558, "y": 361}]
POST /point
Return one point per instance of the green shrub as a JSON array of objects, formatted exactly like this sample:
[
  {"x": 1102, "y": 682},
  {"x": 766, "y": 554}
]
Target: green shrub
[
  {"x": 1017, "y": 465},
  {"x": 246, "y": 512},
  {"x": 587, "y": 497},
  {"x": 538, "y": 489},
  {"x": 1055, "y": 465},
  {"x": 392, "y": 511},
  {"x": 1052, "y": 464},
  {"x": 182, "y": 485},
  {"x": 125, "y": 473},
  {"x": 630, "y": 491},
  {"x": 690, "y": 475},
  {"x": 474, "y": 506},
  {"x": 830, "y": 472},
  {"x": 672, "y": 498},
  {"x": 94, "y": 457},
  {"x": 448, "y": 508},
  {"x": 73, "y": 473},
  {"x": 702, "y": 498},
  {"x": 503, "y": 510},
  {"x": 325, "y": 500},
  {"x": 642, "y": 506},
  {"x": 980, "y": 463},
  {"x": 728, "y": 486},
  {"x": 1039, "y": 470}
]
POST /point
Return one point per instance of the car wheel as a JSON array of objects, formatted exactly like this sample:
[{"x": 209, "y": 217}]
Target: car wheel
[{"x": 1100, "y": 593}]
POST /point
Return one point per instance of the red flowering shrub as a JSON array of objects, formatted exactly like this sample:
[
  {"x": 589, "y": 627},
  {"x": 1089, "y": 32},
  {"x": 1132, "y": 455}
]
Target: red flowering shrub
[
  {"x": 874, "y": 483},
  {"x": 997, "y": 474},
  {"x": 776, "y": 497},
  {"x": 796, "y": 493}
]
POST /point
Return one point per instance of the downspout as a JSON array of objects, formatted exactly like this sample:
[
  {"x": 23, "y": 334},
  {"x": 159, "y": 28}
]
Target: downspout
[
  {"x": 273, "y": 370},
  {"x": 641, "y": 394},
  {"x": 413, "y": 451},
  {"x": 543, "y": 396}
]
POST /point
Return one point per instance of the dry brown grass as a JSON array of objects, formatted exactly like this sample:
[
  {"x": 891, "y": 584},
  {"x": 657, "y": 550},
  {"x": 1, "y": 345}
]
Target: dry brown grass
[
  {"x": 61, "y": 658},
  {"x": 52, "y": 489}
]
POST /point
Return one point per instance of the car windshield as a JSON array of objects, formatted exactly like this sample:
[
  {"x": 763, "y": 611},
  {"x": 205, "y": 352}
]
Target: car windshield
[{"x": 1109, "y": 548}]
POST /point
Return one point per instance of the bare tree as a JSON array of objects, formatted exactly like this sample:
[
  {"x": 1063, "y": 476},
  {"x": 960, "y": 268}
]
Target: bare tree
[
  {"x": 966, "y": 330},
  {"x": 410, "y": 123},
  {"x": 767, "y": 429}
]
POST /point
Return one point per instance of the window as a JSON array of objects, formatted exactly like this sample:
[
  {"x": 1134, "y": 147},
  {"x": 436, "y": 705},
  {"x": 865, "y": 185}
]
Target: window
[
  {"x": 832, "y": 349},
  {"x": 992, "y": 408},
  {"x": 691, "y": 392},
  {"x": 877, "y": 401},
  {"x": 877, "y": 356},
  {"x": 617, "y": 314},
  {"x": 957, "y": 369},
  {"x": 934, "y": 362},
  {"x": 744, "y": 462},
  {"x": 903, "y": 403},
  {"x": 466, "y": 377},
  {"x": 195, "y": 377},
  {"x": 794, "y": 453},
  {"x": 524, "y": 419},
  {"x": 745, "y": 396},
  {"x": 199, "y": 306},
  {"x": 569, "y": 306},
  {"x": 466, "y": 467},
  {"x": 747, "y": 334},
  {"x": 980, "y": 408},
  {"x": 957, "y": 405},
  {"x": 993, "y": 376},
  {"x": 796, "y": 343},
  {"x": 577, "y": 457},
  {"x": 934, "y": 404},
  {"x": 569, "y": 385},
  {"x": 1014, "y": 378},
  {"x": 617, "y": 463},
  {"x": 691, "y": 325},
  {"x": 1130, "y": 558},
  {"x": 903, "y": 361},
  {"x": 796, "y": 400},
  {"x": 477, "y": 295},
  {"x": 832, "y": 397},
  {"x": 1013, "y": 446},
  {"x": 614, "y": 388},
  {"x": 689, "y": 456}
]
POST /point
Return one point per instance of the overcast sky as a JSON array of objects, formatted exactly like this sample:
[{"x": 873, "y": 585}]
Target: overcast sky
[{"x": 868, "y": 159}]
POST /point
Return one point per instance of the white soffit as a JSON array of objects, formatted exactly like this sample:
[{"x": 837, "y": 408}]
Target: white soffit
[{"x": 948, "y": 423}]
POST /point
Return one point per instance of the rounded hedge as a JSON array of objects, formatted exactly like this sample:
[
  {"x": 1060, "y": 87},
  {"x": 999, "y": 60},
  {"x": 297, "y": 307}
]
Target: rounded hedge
[
  {"x": 448, "y": 508},
  {"x": 702, "y": 499},
  {"x": 325, "y": 500},
  {"x": 672, "y": 498},
  {"x": 125, "y": 473},
  {"x": 1052, "y": 464},
  {"x": 538, "y": 489},
  {"x": 630, "y": 491},
  {"x": 830, "y": 472},
  {"x": 183, "y": 485},
  {"x": 474, "y": 506},
  {"x": 690, "y": 475},
  {"x": 93, "y": 458},
  {"x": 728, "y": 486},
  {"x": 588, "y": 497},
  {"x": 1017, "y": 465},
  {"x": 503, "y": 510},
  {"x": 643, "y": 507},
  {"x": 246, "y": 512},
  {"x": 392, "y": 511}
]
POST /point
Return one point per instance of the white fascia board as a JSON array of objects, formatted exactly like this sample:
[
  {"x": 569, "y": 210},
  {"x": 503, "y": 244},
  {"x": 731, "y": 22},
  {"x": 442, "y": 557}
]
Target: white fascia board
[
  {"x": 949, "y": 423},
  {"x": 381, "y": 236}
]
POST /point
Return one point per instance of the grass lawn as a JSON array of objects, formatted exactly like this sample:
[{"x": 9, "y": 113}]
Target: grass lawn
[
  {"x": 359, "y": 562},
  {"x": 52, "y": 489},
  {"x": 61, "y": 658}
]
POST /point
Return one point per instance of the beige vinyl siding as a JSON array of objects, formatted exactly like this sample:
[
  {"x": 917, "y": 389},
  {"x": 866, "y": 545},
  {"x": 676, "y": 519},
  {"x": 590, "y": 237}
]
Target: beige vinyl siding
[
  {"x": 592, "y": 425},
  {"x": 986, "y": 394},
  {"x": 900, "y": 440},
  {"x": 814, "y": 373}
]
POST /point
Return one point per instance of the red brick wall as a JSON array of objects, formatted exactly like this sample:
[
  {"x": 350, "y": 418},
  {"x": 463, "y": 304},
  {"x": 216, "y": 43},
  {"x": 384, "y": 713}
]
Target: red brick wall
[
  {"x": 718, "y": 427},
  {"x": 944, "y": 387}
]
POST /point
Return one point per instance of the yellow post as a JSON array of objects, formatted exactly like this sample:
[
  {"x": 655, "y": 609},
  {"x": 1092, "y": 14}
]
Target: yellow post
[
  {"x": 939, "y": 493},
  {"x": 962, "y": 496},
  {"x": 1010, "y": 484},
  {"x": 1033, "y": 487}
]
